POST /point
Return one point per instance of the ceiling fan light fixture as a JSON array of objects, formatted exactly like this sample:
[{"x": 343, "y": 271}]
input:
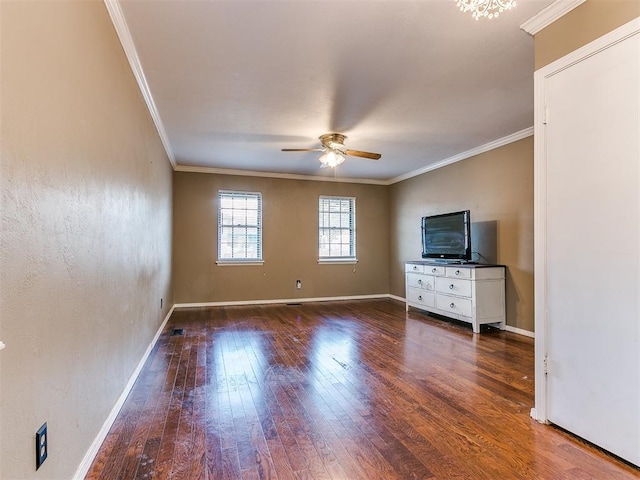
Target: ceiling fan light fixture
[
  {"x": 333, "y": 150},
  {"x": 331, "y": 158},
  {"x": 485, "y": 8}
]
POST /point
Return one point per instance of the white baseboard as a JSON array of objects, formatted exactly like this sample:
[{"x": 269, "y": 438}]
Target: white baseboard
[
  {"x": 520, "y": 331},
  {"x": 84, "y": 466},
  {"x": 281, "y": 300},
  {"x": 400, "y": 299}
]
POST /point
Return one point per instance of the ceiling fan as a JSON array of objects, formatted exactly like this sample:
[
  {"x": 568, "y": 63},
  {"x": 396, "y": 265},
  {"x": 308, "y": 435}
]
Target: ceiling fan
[{"x": 334, "y": 150}]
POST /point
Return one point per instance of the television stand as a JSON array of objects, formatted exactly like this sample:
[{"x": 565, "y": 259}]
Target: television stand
[{"x": 468, "y": 292}]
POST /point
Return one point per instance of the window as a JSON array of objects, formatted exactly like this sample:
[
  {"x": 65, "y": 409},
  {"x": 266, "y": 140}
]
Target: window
[
  {"x": 239, "y": 227},
  {"x": 337, "y": 229}
]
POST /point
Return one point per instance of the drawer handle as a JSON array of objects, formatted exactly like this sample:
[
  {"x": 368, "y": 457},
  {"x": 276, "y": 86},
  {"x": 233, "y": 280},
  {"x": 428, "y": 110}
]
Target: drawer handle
[
  {"x": 419, "y": 297},
  {"x": 453, "y": 305},
  {"x": 420, "y": 282},
  {"x": 457, "y": 272},
  {"x": 434, "y": 270},
  {"x": 415, "y": 267},
  {"x": 451, "y": 287}
]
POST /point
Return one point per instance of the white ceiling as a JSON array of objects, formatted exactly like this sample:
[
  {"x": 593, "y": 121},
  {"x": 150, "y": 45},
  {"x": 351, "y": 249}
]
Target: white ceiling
[{"x": 420, "y": 82}]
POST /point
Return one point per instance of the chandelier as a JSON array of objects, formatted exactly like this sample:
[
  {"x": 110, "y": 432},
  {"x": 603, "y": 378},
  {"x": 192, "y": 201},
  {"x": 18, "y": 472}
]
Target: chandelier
[{"x": 485, "y": 8}]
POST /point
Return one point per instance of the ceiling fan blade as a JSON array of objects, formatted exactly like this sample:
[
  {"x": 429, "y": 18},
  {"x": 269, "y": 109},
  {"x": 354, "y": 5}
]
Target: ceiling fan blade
[
  {"x": 358, "y": 153},
  {"x": 303, "y": 149}
]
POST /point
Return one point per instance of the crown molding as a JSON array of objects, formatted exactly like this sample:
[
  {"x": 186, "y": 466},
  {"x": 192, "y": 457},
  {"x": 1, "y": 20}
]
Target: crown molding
[
  {"x": 126, "y": 40},
  {"x": 514, "y": 137},
  {"x": 549, "y": 15},
  {"x": 287, "y": 176}
]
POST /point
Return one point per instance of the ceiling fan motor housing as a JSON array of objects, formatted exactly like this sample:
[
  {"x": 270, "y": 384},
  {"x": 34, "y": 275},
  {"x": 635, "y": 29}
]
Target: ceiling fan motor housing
[{"x": 334, "y": 141}]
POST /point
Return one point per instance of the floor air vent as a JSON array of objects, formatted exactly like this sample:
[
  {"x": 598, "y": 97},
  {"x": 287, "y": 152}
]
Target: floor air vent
[{"x": 177, "y": 331}]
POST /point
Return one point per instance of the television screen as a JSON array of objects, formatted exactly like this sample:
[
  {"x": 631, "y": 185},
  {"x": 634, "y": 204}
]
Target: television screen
[{"x": 447, "y": 236}]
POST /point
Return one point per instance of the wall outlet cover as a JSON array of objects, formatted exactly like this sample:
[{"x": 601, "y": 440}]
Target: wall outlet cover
[{"x": 42, "y": 445}]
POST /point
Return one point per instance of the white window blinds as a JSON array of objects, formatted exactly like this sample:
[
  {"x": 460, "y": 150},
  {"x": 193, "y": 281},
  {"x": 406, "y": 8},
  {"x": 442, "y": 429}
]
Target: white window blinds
[
  {"x": 239, "y": 226},
  {"x": 337, "y": 228}
]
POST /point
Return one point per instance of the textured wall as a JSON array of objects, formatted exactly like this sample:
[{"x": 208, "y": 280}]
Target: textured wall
[
  {"x": 86, "y": 230},
  {"x": 497, "y": 187},
  {"x": 290, "y": 241},
  {"x": 591, "y": 20}
]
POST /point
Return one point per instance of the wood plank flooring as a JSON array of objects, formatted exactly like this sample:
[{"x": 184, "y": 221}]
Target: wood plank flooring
[{"x": 338, "y": 390}]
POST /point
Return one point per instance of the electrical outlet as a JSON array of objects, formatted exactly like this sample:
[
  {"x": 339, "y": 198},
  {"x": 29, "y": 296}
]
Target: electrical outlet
[
  {"x": 42, "y": 445},
  {"x": 299, "y": 284}
]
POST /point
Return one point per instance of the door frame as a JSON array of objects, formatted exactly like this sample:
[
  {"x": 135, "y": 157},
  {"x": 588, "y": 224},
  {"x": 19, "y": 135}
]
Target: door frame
[{"x": 539, "y": 411}]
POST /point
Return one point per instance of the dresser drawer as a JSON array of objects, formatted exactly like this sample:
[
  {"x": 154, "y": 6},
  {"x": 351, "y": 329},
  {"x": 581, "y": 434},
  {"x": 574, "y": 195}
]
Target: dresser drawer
[
  {"x": 435, "y": 270},
  {"x": 453, "y": 286},
  {"x": 457, "y": 272},
  {"x": 425, "y": 282},
  {"x": 422, "y": 297},
  {"x": 459, "y": 306},
  {"x": 409, "y": 267}
]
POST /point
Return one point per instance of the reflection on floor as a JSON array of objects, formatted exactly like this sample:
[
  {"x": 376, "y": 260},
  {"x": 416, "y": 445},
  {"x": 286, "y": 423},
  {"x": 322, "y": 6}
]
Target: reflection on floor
[{"x": 338, "y": 390}]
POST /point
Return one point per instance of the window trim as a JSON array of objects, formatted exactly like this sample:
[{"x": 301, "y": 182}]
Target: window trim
[
  {"x": 337, "y": 260},
  {"x": 352, "y": 259},
  {"x": 239, "y": 261}
]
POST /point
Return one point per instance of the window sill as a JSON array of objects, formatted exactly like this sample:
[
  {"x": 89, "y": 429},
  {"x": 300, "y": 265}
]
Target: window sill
[
  {"x": 231, "y": 263},
  {"x": 338, "y": 261}
]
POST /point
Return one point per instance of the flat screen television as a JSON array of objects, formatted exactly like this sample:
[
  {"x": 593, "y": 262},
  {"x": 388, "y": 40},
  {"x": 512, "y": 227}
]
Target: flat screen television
[{"x": 447, "y": 236}]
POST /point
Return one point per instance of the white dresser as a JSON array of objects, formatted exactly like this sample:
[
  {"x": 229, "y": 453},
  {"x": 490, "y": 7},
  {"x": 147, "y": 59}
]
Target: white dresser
[{"x": 471, "y": 293}]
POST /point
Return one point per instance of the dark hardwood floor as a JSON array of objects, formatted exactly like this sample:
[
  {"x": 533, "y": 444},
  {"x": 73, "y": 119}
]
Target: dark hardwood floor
[{"x": 340, "y": 390}]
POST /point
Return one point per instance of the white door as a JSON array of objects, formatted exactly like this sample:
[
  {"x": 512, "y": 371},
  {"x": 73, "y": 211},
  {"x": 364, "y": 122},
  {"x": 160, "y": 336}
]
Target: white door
[{"x": 592, "y": 257}]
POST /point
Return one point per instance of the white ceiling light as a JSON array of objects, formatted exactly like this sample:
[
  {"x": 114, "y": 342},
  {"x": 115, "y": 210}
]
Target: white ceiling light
[
  {"x": 485, "y": 8},
  {"x": 331, "y": 158}
]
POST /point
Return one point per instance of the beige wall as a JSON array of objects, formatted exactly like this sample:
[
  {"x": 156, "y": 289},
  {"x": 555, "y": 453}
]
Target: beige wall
[
  {"x": 290, "y": 239},
  {"x": 589, "y": 21},
  {"x": 86, "y": 230},
  {"x": 497, "y": 187}
]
